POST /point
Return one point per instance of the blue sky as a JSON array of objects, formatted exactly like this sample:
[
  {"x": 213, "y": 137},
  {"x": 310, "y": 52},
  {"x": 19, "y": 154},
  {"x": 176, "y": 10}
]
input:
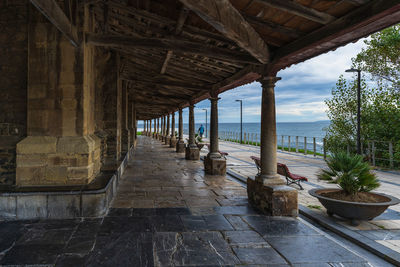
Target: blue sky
[{"x": 299, "y": 95}]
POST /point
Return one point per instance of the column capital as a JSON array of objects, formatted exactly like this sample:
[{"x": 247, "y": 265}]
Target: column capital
[
  {"x": 268, "y": 81},
  {"x": 214, "y": 98}
]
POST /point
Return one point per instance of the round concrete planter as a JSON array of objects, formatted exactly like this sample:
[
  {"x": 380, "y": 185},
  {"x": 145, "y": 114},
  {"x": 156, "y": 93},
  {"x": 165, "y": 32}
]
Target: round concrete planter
[{"x": 354, "y": 211}]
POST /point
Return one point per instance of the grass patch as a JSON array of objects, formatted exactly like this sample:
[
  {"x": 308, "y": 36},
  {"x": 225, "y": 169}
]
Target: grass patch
[
  {"x": 314, "y": 207},
  {"x": 139, "y": 133},
  {"x": 381, "y": 226}
]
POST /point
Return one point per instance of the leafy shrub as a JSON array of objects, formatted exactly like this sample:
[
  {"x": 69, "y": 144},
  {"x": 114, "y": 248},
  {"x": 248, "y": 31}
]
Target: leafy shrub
[{"x": 350, "y": 172}]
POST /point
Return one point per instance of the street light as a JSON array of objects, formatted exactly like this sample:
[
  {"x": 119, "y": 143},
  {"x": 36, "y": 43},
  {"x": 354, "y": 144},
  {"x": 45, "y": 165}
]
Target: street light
[
  {"x": 206, "y": 121},
  {"x": 241, "y": 119},
  {"x": 358, "y": 108}
]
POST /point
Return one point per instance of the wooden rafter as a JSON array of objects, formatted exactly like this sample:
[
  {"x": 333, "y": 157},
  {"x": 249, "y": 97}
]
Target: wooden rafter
[
  {"x": 175, "y": 45},
  {"x": 226, "y": 19},
  {"x": 53, "y": 12},
  {"x": 183, "y": 14},
  {"x": 351, "y": 27},
  {"x": 299, "y": 10}
]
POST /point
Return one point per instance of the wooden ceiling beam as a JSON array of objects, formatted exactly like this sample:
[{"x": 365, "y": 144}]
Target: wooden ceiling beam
[
  {"x": 53, "y": 12},
  {"x": 176, "y": 45},
  {"x": 273, "y": 26},
  {"x": 227, "y": 20},
  {"x": 168, "y": 83},
  {"x": 361, "y": 22},
  {"x": 183, "y": 14},
  {"x": 297, "y": 9}
]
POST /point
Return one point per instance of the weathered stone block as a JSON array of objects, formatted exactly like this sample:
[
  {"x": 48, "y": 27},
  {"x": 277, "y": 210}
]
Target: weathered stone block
[
  {"x": 215, "y": 166},
  {"x": 37, "y": 145},
  {"x": 274, "y": 200},
  {"x": 63, "y": 206},
  {"x": 94, "y": 205},
  {"x": 167, "y": 140},
  {"x": 173, "y": 142},
  {"x": 8, "y": 206},
  {"x": 31, "y": 206},
  {"x": 180, "y": 147},
  {"x": 56, "y": 174},
  {"x": 192, "y": 153},
  {"x": 75, "y": 144}
]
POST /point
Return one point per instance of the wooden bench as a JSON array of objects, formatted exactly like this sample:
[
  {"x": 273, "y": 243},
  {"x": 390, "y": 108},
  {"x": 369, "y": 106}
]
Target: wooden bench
[
  {"x": 224, "y": 154},
  {"x": 283, "y": 170}
]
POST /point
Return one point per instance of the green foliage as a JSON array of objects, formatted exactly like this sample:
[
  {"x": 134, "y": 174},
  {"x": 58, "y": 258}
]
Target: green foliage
[
  {"x": 381, "y": 57},
  {"x": 380, "y": 102},
  {"x": 350, "y": 172}
]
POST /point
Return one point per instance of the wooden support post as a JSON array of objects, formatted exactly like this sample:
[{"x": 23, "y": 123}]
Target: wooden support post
[
  {"x": 315, "y": 147},
  {"x": 305, "y": 145}
]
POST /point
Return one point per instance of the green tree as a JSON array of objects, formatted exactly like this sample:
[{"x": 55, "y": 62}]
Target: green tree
[
  {"x": 381, "y": 57},
  {"x": 380, "y": 110}
]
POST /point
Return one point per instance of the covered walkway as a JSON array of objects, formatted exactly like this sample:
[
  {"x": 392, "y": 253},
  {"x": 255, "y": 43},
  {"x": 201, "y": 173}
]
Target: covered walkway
[{"x": 168, "y": 213}]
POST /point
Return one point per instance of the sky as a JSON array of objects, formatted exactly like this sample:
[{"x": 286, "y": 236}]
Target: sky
[{"x": 299, "y": 95}]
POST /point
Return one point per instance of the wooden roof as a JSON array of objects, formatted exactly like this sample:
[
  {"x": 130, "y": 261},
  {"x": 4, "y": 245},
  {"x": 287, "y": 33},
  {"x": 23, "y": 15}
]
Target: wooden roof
[{"x": 174, "y": 52}]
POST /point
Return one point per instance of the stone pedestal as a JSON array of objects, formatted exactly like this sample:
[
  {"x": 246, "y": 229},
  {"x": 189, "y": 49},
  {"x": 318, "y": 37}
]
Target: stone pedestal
[
  {"x": 50, "y": 160},
  {"x": 173, "y": 142},
  {"x": 167, "y": 140},
  {"x": 215, "y": 166},
  {"x": 273, "y": 200},
  {"x": 192, "y": 153},
  {"x": 180, "y": 147}
]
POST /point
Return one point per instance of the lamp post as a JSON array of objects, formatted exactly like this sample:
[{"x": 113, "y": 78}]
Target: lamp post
[
  {"x": 358, "y": 108},
  {"x": 206, "y": 121},
  {"x": 241, "y": 119}
]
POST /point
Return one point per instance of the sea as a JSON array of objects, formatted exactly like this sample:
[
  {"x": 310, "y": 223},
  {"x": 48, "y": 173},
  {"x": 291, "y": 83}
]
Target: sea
[{"x": 310, "y": 130}]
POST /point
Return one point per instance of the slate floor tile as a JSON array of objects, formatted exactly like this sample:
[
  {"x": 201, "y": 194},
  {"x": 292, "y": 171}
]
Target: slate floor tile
[
  {"x": 119, "y": 212},
  {"x": 169, "y": 223},
  {"x": 122, "y": 249},
  {"x": 237, "y": 222},
  {"x": 258, "y": 256},
  {"x": 193, "y": 249},
  {"x": 269, "y": 226},
  {"x": 45, "y": 237},
  {"x": 124, "y": 224},
  {"x": 244, "y": 238},
  {"x": 71, "y": 260},
  {"x": 32, "y": 254},
  {"x": 312, "y": 249},
  {"x": 10, "y": 232},
  {"x": 173, "y": 211},
  {"x": 206, "y": 223},
  {"x": 381, "y": 234},
  {"x": 235, "y": 210}
]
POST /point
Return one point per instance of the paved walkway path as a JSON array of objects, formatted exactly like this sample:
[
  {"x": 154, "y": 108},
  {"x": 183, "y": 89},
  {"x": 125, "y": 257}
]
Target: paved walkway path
[
  {"x": 168, "y": 213},
  {"x": 384, "y": 229}
]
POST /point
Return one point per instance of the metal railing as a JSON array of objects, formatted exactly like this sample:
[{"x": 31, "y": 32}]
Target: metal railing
[{"x": 378, "y": 153}]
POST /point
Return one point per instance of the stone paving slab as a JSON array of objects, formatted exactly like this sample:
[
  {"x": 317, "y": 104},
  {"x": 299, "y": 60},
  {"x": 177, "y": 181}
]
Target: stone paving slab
[
  {"x": 377, "y": 229},
  {"x": 211, "y": 235}
]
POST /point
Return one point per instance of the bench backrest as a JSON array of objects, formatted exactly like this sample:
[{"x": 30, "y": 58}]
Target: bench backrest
[{"x": 283, "y": 169}]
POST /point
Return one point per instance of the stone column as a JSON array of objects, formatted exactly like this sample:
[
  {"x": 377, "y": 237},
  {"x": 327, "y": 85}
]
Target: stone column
[
  {"x": 192, "y": 151},
  {"x": 167, "y": 135},
  {"x": 164, "y": 128},
  {"x": 161, "y": 128},
  {"x": 268, "y": 192},
  {"x": 214, "y": 163},
  {"x": 125, "y": 135},
  {"x": 158, "y": 128},
  {"x": 155, "y": 128},
  {"x": 173, "y": 137},
  {"x": 60, "y": 147},
  {"x": 131, "y": 126},
  {"x": 150, "y": 133},
  {"x": 180, "y": 145}
]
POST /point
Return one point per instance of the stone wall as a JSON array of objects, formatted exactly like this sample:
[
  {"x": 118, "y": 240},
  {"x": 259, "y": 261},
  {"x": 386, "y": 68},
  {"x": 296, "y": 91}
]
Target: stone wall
[{"x": 13, "y": 88}]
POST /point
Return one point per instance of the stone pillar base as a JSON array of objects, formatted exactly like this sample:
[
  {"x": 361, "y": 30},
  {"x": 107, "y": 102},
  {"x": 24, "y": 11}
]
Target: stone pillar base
[
  {"x": 160, "y": 137},
  {"x": 192, "y": 153},
  {"x": 215, "y": 166},
  {"x": 180, "y": 147},
  {"x": 274, "y": 200},
  {"x": 50, "y": 160},
  {"x": 167, "y": 140},
  {"x": 173, "y": 142}
]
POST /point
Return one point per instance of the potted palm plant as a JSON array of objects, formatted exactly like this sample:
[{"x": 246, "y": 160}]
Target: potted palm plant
[{"x": 354, "y": 199}]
